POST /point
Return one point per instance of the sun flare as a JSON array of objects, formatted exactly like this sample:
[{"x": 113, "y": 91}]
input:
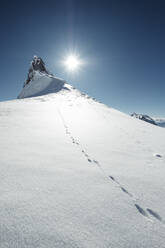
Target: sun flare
[{"x": 72, "y": 63}]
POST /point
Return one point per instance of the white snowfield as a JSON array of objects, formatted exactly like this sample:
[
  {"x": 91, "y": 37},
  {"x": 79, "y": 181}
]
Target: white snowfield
[{"x": 77, "y": 174}]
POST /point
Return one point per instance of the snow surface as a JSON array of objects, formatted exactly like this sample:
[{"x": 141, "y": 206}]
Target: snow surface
[
  {"x": 75, "y": 173},
  {"x": 41, "y": 84}
]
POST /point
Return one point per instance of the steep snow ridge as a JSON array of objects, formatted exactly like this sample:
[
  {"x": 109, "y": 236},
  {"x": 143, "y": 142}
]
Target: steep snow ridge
[
  {"x": 41, "y": 84},
  {"x": 75, "y": 173}
]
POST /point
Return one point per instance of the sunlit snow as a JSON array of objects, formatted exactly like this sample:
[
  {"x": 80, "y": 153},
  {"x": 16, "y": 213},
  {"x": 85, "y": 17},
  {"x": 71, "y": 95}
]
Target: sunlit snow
[{"x": 75, "y": 173}]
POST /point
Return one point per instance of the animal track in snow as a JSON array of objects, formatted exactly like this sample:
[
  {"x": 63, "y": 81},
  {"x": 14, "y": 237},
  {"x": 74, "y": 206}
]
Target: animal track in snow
[
  {"x": 157, "y": 155},
  {"x": 111, "y": 177},
  {"x": 154, "y": 214},
  {"x": 87, "y": 156},
  {"x": 121, "y": 187},
  {"x": 141, "y": 210},
  {"x": 150, "y": 211},
  {"x": 124, "y": 190}
]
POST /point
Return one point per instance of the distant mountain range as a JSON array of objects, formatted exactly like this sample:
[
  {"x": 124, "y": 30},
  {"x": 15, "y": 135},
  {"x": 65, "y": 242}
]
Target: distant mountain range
[
  {"x": 160, "y": 121},
  {"x": 144, "y": 118},
  {"x": 155, "y": 121}
]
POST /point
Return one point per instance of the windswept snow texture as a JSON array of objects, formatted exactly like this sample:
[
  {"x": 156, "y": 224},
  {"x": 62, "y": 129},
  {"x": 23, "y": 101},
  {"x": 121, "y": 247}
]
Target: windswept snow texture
[
  {"x": 75, "y": 173},
  {"x": 41, "y": 84}
]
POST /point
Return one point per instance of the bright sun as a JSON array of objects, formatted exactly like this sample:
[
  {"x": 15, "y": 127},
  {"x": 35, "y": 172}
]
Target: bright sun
[{"x": 72, "y": 63}]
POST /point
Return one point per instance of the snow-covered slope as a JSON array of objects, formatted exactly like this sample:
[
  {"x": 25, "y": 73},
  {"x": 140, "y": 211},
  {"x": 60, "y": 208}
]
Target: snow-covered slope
[
  {"x": 75, "y": 173},
  {"x": 41, "y": 84}
]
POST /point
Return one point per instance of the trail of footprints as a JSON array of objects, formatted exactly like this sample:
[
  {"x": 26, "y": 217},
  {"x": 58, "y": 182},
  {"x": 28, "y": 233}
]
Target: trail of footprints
[{"x": 145, "y": 212}]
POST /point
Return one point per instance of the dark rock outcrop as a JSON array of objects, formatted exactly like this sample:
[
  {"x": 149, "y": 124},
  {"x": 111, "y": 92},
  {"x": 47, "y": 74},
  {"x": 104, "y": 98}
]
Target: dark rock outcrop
[
  {"x": 144, "y": 118},
  {"x": 37, "y": 64}
]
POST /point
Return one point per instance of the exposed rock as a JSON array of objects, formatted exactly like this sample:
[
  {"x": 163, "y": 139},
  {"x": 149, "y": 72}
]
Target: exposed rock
[
  {"x": 37, "y": 64},
  {"x": 144, "y": 118}
]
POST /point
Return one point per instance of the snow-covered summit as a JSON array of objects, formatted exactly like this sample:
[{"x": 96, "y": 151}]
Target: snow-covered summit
[
  {"x": 40, "y": 81},
  {"x": 41, "y": 84}
]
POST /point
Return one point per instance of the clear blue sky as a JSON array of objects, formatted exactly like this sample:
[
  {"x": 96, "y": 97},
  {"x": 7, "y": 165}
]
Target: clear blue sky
[{"x": 122, "y": 42}]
